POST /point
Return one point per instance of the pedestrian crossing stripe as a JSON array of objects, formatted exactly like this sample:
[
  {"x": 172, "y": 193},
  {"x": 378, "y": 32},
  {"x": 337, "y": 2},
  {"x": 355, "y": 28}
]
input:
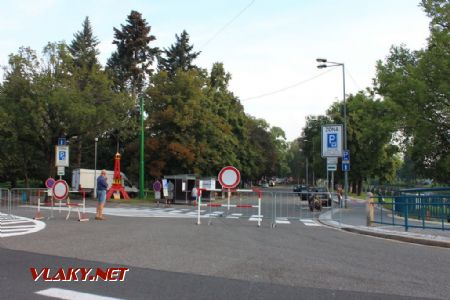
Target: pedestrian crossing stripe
[
  {"x": 310, "y": 222},
  {"x": 256, "y": 218},
  {"x": 282, "y": 221}
]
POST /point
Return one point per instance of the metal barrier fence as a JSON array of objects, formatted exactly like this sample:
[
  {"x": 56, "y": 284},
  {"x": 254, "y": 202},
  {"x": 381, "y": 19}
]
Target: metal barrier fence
[
  {"x": 233, "y": 204},
  {"x": 427, "y": 212},
  {"x": 277, "y": 207},
  {"x": 274, "y": 207},
  {"x": 5, "y": 203},
  {"x": 37, "y": 198}
]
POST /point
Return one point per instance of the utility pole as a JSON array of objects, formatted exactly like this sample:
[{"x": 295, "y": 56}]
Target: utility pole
[{"x": 141, "y": 152}]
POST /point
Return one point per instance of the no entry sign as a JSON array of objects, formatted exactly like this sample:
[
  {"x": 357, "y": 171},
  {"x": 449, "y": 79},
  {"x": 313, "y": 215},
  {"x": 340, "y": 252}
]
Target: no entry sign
[
  {"x": 229, "y": 177},
  {"x": 60, "y": 190}
]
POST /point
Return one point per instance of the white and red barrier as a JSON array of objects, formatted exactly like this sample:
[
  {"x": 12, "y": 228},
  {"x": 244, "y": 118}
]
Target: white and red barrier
[
  {"x": 70, "y": 204},
  {"x": 229, "y": 205}
]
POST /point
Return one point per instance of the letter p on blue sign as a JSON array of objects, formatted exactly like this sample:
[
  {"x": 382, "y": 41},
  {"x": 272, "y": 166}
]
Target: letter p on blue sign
[{"x": 332, "y": 140}]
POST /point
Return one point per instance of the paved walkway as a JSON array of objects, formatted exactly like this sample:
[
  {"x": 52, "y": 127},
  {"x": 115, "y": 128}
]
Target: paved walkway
[{"x": 353, "y": 219}]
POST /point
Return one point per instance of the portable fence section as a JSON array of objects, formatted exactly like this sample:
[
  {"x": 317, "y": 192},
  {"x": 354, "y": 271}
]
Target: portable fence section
[
  {"x": 42, "y": 202},
  {"x": 233, "y": 204}
]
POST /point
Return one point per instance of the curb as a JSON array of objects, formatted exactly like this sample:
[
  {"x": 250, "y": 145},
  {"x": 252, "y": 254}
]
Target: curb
[
  {"x": 392, "y": 235},
  {"x": 402, "y": 238}
]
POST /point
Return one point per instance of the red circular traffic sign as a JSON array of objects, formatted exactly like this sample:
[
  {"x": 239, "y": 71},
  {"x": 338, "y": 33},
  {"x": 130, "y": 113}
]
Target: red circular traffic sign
[
  {"x": 49, "y": 182},
  {"x": 60, "y": 189},
  {"x": 229, "y": 177}
]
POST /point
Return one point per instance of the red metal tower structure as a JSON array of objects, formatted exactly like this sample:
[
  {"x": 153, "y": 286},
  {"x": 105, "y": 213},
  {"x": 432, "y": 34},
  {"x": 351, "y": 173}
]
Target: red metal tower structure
[{"x": 117, "y": 180}]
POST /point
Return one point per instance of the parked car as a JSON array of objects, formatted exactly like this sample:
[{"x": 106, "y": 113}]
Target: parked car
[
  {"x": 322, "y": 193},
  {"x": 302, "y": 191}
]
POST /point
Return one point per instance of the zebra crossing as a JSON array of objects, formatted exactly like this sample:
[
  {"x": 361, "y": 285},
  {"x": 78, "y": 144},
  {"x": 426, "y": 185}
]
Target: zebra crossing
[
  {"x": 11, "y": 225},
  {"x": 175, "y": 212}
]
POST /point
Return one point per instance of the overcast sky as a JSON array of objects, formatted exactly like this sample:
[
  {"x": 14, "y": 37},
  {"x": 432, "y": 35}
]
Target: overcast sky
[{"x": 266, "y": 45}]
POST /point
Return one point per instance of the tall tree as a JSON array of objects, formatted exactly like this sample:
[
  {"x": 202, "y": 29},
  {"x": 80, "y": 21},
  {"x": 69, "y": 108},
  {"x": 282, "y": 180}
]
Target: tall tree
[
  {"x": 131, "y": 64},
  {"x": 178, "y": 56},
  {"x": 84, "y": 47},
  {"x": 370, "y": 127},
  {"x": 417, "y": 83}
]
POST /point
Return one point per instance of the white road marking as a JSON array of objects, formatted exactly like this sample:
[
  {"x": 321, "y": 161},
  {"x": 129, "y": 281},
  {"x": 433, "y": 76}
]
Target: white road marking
[
  {"x": 310, "y": 222},
  {"x": 72, "y": 295},
  {"x": 234, "y": 216},
  {"x": 256, "y": 218},
  {"x": 153, "y": 212},
  {"x": 15, "y": 225},
  {"x": 282, "y": 221}
]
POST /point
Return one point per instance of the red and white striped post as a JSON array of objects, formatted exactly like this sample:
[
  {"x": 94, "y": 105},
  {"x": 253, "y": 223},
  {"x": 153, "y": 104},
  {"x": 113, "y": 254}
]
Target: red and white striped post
[
  {"x": 38, "y": 215},
  {"x": 83, "y": 216},
  {"x": 199, "y": 202},
  {"x": 259, "y": 205}
]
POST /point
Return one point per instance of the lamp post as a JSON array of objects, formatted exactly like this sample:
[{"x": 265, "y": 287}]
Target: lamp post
[
  {"x": 141, "y": 158},
  {"x": 95, "y": 167},
  {"x": 306, "y": 162},
  {"x": 326, "y": 64}
]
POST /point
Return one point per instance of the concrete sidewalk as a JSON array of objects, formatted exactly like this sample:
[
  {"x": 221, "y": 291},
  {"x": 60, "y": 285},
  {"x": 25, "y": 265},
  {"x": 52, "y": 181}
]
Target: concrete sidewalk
[{"x": 353, "y": 219}]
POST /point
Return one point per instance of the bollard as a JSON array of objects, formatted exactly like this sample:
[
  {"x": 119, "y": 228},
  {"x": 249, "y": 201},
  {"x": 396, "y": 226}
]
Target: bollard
[
  {"x": 38, "y": 215},
  {"x": 83, "y": 216},
  {"x": 259, "y": 205},
  {"x": 370, "y": 209}
]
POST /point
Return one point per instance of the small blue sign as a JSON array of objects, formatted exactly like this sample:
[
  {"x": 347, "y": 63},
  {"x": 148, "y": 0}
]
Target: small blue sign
[
  {"x": 346, "y": 155},
  {"x": 62, "y": 141},
  {"x": 332, "y": 140},
  {"x": 62, "y": 155},
  {"x": 345, "y": 167}
]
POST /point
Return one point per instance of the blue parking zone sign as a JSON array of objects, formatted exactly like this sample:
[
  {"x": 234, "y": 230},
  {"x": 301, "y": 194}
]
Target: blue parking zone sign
[
  {"x": 332, "y": 141},
  {"x": 62, "y": 155}
]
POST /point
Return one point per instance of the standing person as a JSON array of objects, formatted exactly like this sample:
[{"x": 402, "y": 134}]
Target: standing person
[
  {"x": 194, "y": 193},
  {"x": 102, "y": 186},
  {"x": 171, "y": 188}
]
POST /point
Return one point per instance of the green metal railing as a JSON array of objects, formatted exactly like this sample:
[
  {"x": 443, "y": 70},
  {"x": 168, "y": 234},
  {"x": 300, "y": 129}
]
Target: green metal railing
[{"x": 415, "y": 211}]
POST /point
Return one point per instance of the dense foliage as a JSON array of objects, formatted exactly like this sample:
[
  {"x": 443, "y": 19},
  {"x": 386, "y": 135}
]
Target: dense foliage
[
  {"x": 397, "y": 129},
  {"x": 194, "y": 124}
]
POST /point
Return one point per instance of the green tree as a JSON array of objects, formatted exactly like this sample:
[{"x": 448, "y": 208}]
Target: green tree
[
  {"x": 130, "y": 65},
  {"x": 370, "y": 127},
  {"x": 44, "y": 97},
  {"x": 417, "y": 83},
  {"x": 84, "y": 47},
  {"x": 178, "y": 56}
]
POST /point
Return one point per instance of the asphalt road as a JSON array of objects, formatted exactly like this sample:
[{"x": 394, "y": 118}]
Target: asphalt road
[{"x": 231, "y": 259}]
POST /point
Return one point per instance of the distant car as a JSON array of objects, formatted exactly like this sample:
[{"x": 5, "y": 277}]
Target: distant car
[
  {"x": 323, "y": 194},
  {"x": 271, "y": 183},
  {"x": 264, "y": 185},
  {"x": 302, "y": 191}
]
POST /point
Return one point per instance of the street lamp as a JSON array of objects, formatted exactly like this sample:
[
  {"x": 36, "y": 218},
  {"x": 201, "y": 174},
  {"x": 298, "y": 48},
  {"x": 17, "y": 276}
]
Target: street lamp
[
  {"x": 141, "y": 152},
  {"x": 306, "y": 166},
  {"x": 324, "y": 63},
  {"x": 95, "y": 167}
]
